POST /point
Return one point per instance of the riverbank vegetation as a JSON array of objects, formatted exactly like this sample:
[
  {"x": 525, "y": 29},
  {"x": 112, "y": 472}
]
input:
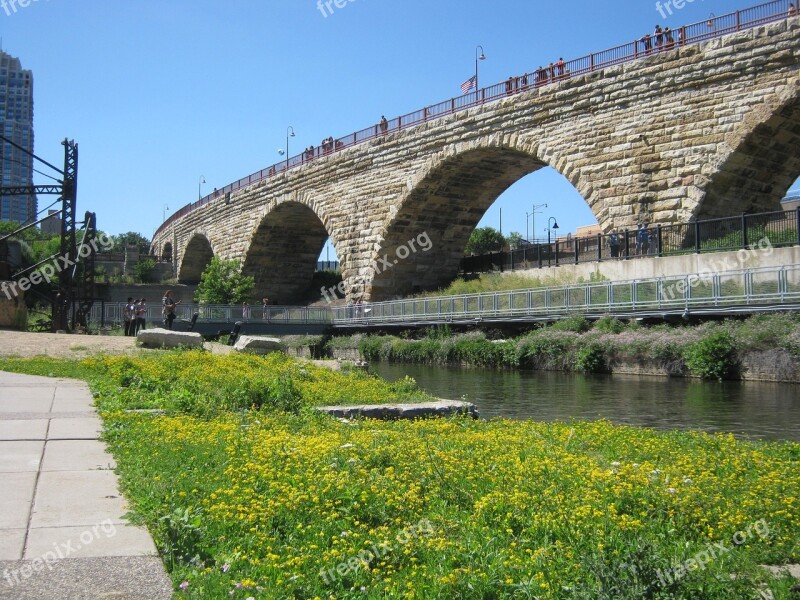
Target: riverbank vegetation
[
  {"x": 247, "y": 493},
  {"x": 713, "y": 350}
]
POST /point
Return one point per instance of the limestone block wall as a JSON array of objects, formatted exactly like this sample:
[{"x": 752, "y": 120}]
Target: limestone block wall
[{"x": 695, "y": 132}]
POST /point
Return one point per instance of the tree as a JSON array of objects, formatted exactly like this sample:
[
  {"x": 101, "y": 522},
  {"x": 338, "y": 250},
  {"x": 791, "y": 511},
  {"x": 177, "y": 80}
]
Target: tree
[
  {"x": 222, "y": 282},
  {"x": 515, "y": 240},
  {"x": 131, "y": 238},
  {"x": 143, "y": 271},
  {"x": 484, "y": 240}
]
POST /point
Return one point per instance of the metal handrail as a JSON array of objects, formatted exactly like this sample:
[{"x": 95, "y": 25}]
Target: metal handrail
[
  {"x": 766, "y": 285},
  {"x": 111, "y": 312},
  {"x": 687, "y": 35}
]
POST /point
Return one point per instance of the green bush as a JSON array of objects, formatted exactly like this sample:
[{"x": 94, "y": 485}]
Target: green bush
[
  {"x": 575, "y": 324},
  {"x": 713, "y": 357},
  {"x": 609, "y": 324},
  {"x": 544, "y": 350},
  {"x": 591, "y": 358}
]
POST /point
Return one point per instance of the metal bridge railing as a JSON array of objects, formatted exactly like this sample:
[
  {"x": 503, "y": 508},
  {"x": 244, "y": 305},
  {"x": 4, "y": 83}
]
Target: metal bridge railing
[
  {"x": 769, "y": 285},
  {"x": 690, "y": 34},
  {"x": 111, "y": 314},
  {"x": 743, "y": 232}
]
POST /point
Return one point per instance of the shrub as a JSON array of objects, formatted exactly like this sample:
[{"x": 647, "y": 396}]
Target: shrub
[
  {"x": 712, "y": 357},
  {"x": 575, "y": 324},
  {"x": 591, "y": 358},
  {"x": 609, "y": 324}
]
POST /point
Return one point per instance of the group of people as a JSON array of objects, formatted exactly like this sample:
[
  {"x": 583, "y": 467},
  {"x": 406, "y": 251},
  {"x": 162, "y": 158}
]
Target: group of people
[
  {"x": 134, "y": 314},
  {"x": 246, "y": 313},
  {"x": 664, "y": 39},
  {"x": 554, "y": 72},
  {"x": 645, "y": 242}
]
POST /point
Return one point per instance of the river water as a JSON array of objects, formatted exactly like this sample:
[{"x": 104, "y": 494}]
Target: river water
[{"x": 769, "y": 411}]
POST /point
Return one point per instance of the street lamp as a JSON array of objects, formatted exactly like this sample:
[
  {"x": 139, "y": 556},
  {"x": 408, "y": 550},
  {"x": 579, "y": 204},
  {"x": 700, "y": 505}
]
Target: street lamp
[
  {"x": 201, "y": 181},
  {"x": 532, "y": 216},
  {"x": 164, "y": 213},
  {"x": 555, "y": 226},
  {"x": 289, "y": 133},
  {"x": 478, "y": 57}
]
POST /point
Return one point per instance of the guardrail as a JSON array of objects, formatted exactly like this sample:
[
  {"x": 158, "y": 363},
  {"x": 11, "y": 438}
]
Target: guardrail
[
  {"x": 111, "y": 314},
  {"x": 713, "y": 27},
  {"x": 744, "y": 232},
  {"x": 741, "y": 288}
]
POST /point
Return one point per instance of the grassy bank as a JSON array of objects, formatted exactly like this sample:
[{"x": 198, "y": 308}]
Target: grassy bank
[
  {"x": 250, "y": 495},
  {"x": 710, "y": 350}
]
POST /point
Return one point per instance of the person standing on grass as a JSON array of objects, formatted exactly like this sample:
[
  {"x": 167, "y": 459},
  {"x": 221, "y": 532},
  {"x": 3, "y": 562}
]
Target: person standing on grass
[
  {"x": 141, "y": 315},
  {"x": 168, "y": 309}
]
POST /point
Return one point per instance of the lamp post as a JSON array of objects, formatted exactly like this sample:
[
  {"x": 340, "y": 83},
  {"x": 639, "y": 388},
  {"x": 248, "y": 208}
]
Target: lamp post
[
  {"x": 289, "y": 133},
  {"x": 200, "y": 182},
  {"x": 164, "y": 213},
  {"x": 532, "y": 216},
  {"x": 478, "y": 57},
  {"x": 555, "y": 226}
]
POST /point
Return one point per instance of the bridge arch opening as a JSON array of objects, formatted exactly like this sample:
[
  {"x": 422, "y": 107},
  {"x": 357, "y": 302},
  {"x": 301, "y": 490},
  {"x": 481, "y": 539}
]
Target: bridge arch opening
[
  {"x": 425, "y": 241},
  {"x": 196, "y": 258},
  {"x": 283, "y": 252},
  {"x": 166, "y": 252},
  {"x": 757, "y": 175}
]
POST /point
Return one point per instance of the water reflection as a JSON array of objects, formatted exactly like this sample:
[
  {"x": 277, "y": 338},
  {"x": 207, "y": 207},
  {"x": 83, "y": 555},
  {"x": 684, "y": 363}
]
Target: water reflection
[{"x": 758, "y": 410}]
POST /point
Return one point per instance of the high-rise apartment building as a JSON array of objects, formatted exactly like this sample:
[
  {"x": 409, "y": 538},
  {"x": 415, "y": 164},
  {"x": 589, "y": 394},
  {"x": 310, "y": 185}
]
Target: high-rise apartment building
[{"x": 16, "y": 124}]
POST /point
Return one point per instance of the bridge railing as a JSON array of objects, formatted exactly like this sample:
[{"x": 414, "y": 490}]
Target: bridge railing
[
  {"x": 749, "y": 232},
  {"x": 689, "y": 34},
  {"x": 111, "y": 313},
  {"x": 746, "y": 287}
]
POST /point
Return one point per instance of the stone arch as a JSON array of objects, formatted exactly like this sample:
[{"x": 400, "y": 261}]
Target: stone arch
[
  {"x": 283, "y": 251},
  {"x": 166, "y": 252},
  {"x": 762, "y": 163},
  {"x": 424, "y": 238},
  {"x": 196, "y": 257}
]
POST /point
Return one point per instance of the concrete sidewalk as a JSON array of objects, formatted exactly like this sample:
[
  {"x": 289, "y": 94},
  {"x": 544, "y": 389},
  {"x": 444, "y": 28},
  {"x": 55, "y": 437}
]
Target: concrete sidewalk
[{"x": 62, "y": 532}]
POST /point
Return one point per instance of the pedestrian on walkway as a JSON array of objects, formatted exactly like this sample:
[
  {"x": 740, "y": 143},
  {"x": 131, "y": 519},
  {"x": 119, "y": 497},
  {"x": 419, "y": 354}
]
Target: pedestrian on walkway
[
  {"x": 129, "y": 318},
  {"x": 141, "y": 315},
  {"x": 384, "y": 124},
  {"x": 614, "y": 243},
  {"x": 168, "y": 304}
]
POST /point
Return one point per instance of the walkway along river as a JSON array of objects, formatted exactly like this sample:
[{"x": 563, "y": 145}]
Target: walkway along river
[{"x": 769, "y": 411}]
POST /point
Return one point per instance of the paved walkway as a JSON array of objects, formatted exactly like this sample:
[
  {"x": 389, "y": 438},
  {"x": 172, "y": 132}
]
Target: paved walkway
[{"x": 62, "y": 532}]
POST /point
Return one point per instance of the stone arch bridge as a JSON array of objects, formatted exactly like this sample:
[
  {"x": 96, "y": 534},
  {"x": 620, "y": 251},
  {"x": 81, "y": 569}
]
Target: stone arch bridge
[{"x": 695, "y": 130}]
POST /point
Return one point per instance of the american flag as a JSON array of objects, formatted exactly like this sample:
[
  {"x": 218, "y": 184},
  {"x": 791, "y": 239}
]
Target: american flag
[{"x": 469, "y": 84}]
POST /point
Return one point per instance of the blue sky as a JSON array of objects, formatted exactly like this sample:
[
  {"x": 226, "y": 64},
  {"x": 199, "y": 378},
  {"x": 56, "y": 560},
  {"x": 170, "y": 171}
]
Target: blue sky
[{"x": 161, "y": 92}]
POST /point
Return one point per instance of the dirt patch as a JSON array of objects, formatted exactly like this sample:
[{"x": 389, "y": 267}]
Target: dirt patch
[{"x": 68, "y": 345}]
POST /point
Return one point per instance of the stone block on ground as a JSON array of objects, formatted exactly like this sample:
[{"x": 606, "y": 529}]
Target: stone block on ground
[
  {"x": 258, "y": 344},
  {"x": 390, "y": 412},
  {"x": 165, "y": 338}
]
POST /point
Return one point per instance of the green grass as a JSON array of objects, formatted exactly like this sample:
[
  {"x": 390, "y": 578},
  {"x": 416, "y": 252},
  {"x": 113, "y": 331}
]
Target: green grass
[{"x": 247, "y": 493}]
